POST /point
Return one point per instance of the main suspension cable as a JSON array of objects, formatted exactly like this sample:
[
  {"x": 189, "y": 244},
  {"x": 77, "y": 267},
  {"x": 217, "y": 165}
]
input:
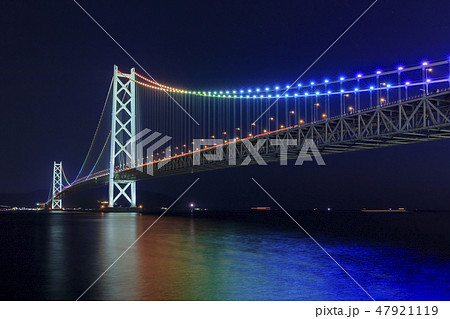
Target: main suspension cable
[
  {"x": 96, "y": 131},
  {"x": 101, "y": 153}
]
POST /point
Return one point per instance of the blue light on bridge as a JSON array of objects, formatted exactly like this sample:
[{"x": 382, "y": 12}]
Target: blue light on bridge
[{"x": 325, "y": 82}]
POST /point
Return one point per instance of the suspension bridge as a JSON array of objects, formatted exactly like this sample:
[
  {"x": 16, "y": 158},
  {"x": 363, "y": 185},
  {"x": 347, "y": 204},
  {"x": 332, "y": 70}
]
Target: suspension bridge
[{"x": 379, "y": 109}]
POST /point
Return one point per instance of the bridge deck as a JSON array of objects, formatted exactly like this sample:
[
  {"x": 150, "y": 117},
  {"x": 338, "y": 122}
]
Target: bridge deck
[{"x": 418, "y": 119}]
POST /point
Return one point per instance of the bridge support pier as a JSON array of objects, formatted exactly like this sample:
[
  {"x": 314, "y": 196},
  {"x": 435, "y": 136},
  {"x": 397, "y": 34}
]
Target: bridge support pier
[
  {"x": 57, "y": 185},
  {"x": 123, "y": 128}
]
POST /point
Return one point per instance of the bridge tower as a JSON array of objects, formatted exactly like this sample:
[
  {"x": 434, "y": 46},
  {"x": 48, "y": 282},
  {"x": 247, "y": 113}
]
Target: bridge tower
[
  {"x": 123, "y": 128},
  {"x": 57, "y": 185}
]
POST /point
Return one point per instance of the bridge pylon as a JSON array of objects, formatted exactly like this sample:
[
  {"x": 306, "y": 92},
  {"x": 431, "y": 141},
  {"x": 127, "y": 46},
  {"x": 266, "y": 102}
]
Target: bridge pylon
[
  {"x": 123, "y": 128},
  {"x": 57, "y": 185}
]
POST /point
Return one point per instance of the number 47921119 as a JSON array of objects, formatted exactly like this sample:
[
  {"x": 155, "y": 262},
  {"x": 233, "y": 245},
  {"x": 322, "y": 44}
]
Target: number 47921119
[{"x": 410, "y": 310}]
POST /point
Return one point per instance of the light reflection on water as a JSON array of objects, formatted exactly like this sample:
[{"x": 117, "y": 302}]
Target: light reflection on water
[{"x": 59, "y": 256}]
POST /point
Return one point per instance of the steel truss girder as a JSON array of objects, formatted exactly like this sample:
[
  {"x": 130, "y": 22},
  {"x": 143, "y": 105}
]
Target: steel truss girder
[{"x": 420, "y": 119}]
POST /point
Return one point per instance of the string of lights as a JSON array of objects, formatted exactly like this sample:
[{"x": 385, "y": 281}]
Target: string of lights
[
  {"x": 272, "y": 92},
  {"x": 227, "y": 116}
]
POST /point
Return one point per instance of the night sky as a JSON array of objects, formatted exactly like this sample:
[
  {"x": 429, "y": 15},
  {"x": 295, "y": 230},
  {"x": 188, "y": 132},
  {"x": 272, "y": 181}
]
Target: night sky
[{"x": 57, "y": 64}]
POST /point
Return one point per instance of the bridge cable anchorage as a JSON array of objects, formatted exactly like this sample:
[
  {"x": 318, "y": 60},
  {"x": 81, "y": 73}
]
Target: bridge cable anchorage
[
  {"x": 135, "y": 61},
  {"x": 317, "y": 60},
  {"x": 312, "y": 238},
  {"x": 96, "y": 131},
  {"x": 137, "y": 239}
]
